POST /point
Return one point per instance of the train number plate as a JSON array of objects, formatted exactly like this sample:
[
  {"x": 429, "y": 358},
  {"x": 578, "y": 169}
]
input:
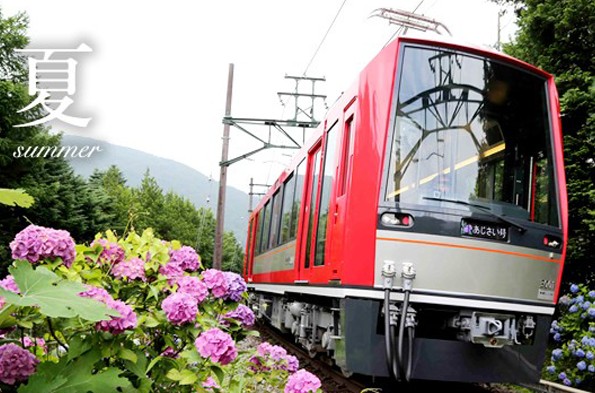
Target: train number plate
[{"x": 483, "y": 230}]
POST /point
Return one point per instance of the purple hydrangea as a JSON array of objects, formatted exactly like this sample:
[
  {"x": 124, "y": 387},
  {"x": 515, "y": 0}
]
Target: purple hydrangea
[
  {"x": 586, "y": 305},
  {"x": 573, "y": 309},
  {"x": 16, "y": 364},
  {"x": 35, "y": 243},
  {"x": 216, "y": 282},
  {"x": 9, "y": 284},
  {"x": 216, "y": 345},
  {"x": 591, "y": 368},
  {"x": 302, "y": 381},
  {"x": 579, "y": 353},
  {"x": 180, "y": 308},
  {"x": 567, "y": 382},
  {"x": 574, "y": 288},
  {"x": 242, "y": 314},
  {"x": 562, "y": 376},
  {"x": 589, "y": 355},
  {"x": 236, "y": 286},
  {"x": 194, "y": 287},
  {"x": 97, "y": 293},
  {"x": 132, "y": 269},
  {"x": 591, "y": 312},
  {"x": 172, "y": 271},
  {"x": 186, "y": 258},
  {"x": 111, "y": 254},
  {"x": 551, "y": 369},
  {"x": 169, "y": 352},
  {"x": 116, "y": 325},
  {"x": 557, "y": 354},
  {"x": 564, "y": 300},
  {"x": 557, "y": 337},
  {"x": 273, "y": 357},
  {"x": 292, "y": 364},
  {"x": 591, "y": 294}
]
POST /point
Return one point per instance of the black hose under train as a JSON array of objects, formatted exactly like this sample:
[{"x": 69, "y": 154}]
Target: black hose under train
[{"x": 395, "y": 363}]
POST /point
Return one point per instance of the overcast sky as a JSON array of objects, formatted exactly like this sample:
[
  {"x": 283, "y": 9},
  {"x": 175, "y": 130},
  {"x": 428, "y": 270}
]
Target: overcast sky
[{"x": 156, "y": 79}]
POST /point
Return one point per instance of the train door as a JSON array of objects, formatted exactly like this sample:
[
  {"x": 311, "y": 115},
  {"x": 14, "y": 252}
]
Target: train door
[
  {"x": 316, "y": 266},
  {"x": 338, "y": 223},
  {"x": 311, "y": 195}
]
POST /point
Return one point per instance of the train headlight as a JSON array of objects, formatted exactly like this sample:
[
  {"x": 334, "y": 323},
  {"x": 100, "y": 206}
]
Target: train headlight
[{"x": 396, "y": 220}]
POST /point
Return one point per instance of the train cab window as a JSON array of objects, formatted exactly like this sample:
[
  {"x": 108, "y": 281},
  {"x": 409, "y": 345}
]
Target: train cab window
[
  {"x": 328, "y": 174},
  {"x": 468, "y": 131}
]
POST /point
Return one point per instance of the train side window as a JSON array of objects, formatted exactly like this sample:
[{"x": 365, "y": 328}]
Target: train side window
[
  {"x": 260, "y": 224},
  {"x": 327, "y": 181},
  {"x": 346, "y": 154},
  {"x": 288, "y": 194},
  {"x": 266, "y": 227},
  {"x": 297, "y": 201},
  {"x": 276, "y": 209}
]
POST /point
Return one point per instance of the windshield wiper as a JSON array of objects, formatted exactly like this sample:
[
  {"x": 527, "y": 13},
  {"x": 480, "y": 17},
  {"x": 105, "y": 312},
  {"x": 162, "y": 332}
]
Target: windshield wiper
[{"x": 487, "y": 210}]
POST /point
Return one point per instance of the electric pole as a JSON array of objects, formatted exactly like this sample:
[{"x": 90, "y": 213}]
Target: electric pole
[{"x": 219, "y": 229}]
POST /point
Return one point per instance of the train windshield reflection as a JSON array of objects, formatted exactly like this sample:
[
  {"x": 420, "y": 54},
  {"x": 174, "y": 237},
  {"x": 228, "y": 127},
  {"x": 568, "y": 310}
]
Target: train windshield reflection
[{"x": 471, "y": 129}]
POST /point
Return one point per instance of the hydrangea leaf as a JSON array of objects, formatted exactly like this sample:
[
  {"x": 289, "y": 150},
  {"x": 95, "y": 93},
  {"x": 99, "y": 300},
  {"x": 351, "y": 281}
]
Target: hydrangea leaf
[
  {"x": 16, "y": 197},
  {"x": 55, "y": 297},
  {"x": 75, "y": 376}
]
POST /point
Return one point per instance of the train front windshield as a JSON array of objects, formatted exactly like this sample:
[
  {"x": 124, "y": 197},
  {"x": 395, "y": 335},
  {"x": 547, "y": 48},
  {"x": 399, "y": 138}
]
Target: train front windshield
[{"x": 471, "y": 131}]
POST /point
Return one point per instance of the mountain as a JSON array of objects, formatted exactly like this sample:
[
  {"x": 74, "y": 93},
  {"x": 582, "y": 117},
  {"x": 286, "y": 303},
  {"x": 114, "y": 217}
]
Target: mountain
[{"x": 170, "y": 175}]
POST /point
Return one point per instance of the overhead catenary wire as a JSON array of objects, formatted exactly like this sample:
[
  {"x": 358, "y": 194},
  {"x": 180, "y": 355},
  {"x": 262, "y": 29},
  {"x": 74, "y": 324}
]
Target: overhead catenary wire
[{"x": 324, "y": 37}]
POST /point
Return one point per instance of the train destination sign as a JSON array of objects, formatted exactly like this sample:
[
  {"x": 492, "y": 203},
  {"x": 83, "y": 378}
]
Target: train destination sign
[{"x": 484, "y": 230}]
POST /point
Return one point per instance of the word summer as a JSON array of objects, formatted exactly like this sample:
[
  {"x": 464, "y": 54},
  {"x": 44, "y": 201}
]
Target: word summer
[{"x": 55, "y": 151}]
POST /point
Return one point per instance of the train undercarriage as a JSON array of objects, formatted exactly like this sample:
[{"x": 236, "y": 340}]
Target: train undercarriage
[{"x": 428, "y": 341}]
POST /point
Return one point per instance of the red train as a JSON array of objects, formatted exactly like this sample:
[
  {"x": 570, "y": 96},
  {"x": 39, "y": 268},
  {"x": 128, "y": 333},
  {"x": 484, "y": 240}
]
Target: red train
[{"x": 421, "y": 233}]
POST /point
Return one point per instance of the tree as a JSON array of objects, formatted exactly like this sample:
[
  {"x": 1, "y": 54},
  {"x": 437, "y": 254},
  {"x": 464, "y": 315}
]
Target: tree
[{"x": 558, "y": 36}]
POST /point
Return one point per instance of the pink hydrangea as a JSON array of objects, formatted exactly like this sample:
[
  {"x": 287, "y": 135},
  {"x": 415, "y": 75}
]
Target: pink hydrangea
[
  {"x": 97, "y": 293},
  {"x": 9, "y": 284},
  {"x": 35, "y": 243},
  {"x": 186, "y": 258},
  {"x": 210, "y": 383},
  {"x": 302, "y": 381},
  {"x": 35, "y": 342},
  {"x": 243, "y": 314},
  {"x": 236, "y": 286},
  {"x": 132, "y": 269},
  {"x": 216, "y": 282},
  {"x": 16, "y": 364},
  {"x": 169, "y": 352},
  {"x": 193, "y": 286},
  {"x": 273, "y": 357},
  {"x": 216, "y": 345},
  {"x": 292, "y": 364},
  {"x": 116, "y": 325},
  {"x": 180, "y": 308},
  {"x": 111, "y": 254},
  {"x": 172, "y": 271}
]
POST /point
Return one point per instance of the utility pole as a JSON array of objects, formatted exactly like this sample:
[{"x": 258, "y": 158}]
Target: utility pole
[
  {"x": 218, "y": 252},
  {"x": 500, "y": 15},
  {"x": 252, "y": 184}
]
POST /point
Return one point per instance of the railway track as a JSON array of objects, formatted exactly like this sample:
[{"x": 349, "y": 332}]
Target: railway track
[{"x": 333, "y": 381}]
